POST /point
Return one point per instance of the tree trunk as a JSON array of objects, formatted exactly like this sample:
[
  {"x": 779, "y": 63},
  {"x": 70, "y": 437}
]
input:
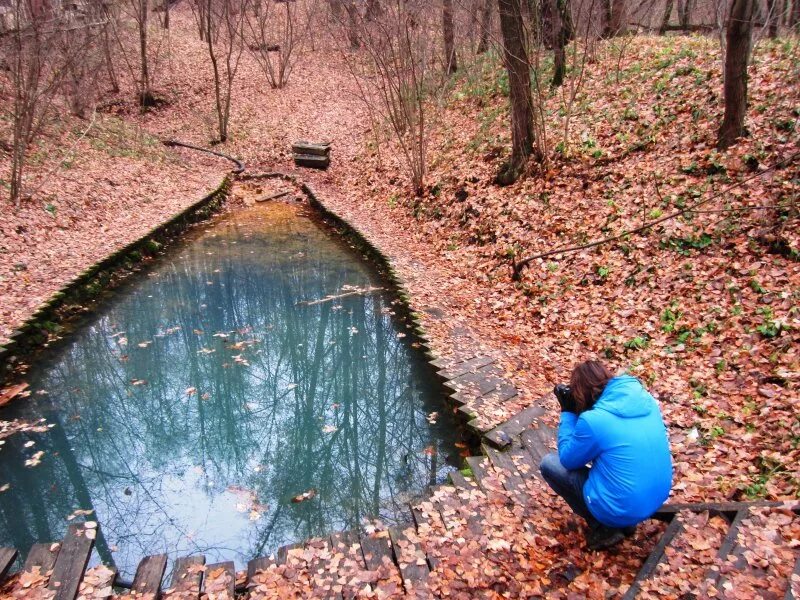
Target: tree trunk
[
  {"x": 607, "y": 18},
  {"x": 145, "y": 71},
  {"x": 684, "y": 12},
  {"x": 665, "y": 17},
  {"x": 352, "y": 24},
  {"x": 794, "y": 17},
  {"x": 562, "y": 35},
  {"x": 549, "y": 23},
  {"x": 738, "y": 39},
  {"x": 451, "y": 62},
  {"x": 515, "y": 57},
  {"x": 773, "y": 18},
  {"x": 486, "y": 26}
]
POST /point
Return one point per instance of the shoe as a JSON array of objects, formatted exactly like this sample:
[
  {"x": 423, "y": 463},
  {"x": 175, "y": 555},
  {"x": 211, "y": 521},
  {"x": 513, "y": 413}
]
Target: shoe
[{"x": 602, "y": 537}]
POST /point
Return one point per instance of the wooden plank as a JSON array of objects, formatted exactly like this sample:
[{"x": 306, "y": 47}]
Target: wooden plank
[
  {"x": 258, "y": 564},
  {"x": 501, "y": 436},
  {"x": 99, "y": 578},
  {"x": 526, "y": 466},
  {"x": 721, "y": 507},
  {"x": 537, "y": 442},
  {"x": 478, "y": 464},
  {"x": 187, "y": 576},
  {"x": 728, "y": 543},
  {"x": 348, "y": 544},
  {"x": 467, "y": 366},
  {"x": 7, "y": 558},
  {"x": 376, "y": 549},
  {"x": 460, "y": 481},
  {"x": 654, "y": 558},
  {"x": 508, "y": 474},
  {"x": 311, "y": 161},
  {"x": 71, "y": 563},
  {"x": 283, "y": 552},
  {"x": 479, "y": 383},
  {"x": 313, "y": 148},
  {"x": 220, "y": 581},
  {"x": 149, "y": 574},
  {"x": 409, "y": 556},
  {"x": 42, "y": 556}
]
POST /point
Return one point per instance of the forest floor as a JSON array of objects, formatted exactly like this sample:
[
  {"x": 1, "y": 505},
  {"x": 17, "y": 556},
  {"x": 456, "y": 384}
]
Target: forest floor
[{"x": 702, "y": 308}]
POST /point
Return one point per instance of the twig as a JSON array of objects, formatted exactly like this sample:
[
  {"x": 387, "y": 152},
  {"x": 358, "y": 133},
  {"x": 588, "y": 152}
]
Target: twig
[
  {"x": 516, "y": 267},
  {"x": 239, "y": 164},
  {"x": 337, "y": 296},
  {"x": 275, "y": 196}
]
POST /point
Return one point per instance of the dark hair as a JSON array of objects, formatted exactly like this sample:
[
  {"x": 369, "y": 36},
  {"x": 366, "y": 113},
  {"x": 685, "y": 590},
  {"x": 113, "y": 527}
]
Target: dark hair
[{"x": 588, "y": 381}]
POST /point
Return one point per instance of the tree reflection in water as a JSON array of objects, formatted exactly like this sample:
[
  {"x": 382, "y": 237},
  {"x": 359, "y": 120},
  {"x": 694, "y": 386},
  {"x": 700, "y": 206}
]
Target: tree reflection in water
[{"x": 193, "y": 408}]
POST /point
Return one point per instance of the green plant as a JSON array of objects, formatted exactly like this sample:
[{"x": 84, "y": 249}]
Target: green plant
[{"x": 637, "y": 343}]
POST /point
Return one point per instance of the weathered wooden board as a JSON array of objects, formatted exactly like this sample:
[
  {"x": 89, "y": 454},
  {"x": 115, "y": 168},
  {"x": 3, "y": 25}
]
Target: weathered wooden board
[
  {"x": 188, "y": 574},
  {"x": 283, "y": 552},
  {"x": 467, "y": 366},
  {"x": 375, "y": 549},
  {"x": 7, "y": 558},
  {"x": 258, "y": 564},
  {"x": 42, "y": 556},
  {"x": 312, "y": 161},
  {"x": 409, "y": 556},
  {"x": 507, "y": 473},
  {"x": 502, "y": 435},
  {"x": 149, "y": 574},
  {"x": 655, "y": 557},
  {"x": 71, "y": 563},
  {"x": 311, "y": 148},
  {"x": 478, "y": 464},
  {"x": 220, "y": 581}
]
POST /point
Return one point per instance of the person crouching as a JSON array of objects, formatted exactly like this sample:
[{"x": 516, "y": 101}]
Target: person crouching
[{"x": 616, "y": 425}]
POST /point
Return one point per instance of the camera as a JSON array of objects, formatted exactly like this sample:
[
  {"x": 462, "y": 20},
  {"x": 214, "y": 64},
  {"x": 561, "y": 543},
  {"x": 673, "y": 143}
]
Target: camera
[{"x": 564, "y": 395}]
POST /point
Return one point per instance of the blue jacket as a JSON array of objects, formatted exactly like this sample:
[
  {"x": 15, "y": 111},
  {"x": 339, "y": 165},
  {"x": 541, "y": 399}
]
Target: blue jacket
[{"x": 624, "y": 438}]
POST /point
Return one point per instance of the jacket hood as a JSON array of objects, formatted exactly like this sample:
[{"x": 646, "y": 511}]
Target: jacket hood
[{"x": 625, "y": 397}]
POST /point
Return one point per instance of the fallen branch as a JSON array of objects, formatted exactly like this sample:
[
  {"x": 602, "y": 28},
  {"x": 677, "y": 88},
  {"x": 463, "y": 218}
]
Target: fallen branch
[
  {"x": 368, "y": 290},
  {"x": 275, "y": 196},
  {"x": 517, "y": 266},
  {"x": 239, "y": 164}
]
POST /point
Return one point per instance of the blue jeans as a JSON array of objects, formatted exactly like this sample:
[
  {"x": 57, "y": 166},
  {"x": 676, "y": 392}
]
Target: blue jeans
[{"x": 569, "y": 485}]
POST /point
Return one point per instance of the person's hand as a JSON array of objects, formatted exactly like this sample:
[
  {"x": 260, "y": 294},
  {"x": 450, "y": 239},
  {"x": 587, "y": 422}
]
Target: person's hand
[{"x": 564, "y": 396}]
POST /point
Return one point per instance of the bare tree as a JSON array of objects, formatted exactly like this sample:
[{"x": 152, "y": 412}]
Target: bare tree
[
  {"x": 224, "y": 36},
  {"x": 38, "y": 57},
  {"x": 398, "y": 76},
  {"x": 276, "y": 33},
  {"x": 562, "y": 23},
  {"x": 486, "y": 26},
  {"x": 737, "y": 57},
  {"x": 515, "y": 57},
  {"x": 450, "y": 60}
]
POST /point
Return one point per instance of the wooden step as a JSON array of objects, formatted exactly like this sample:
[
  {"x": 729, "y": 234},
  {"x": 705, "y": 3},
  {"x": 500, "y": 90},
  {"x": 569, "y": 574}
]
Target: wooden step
[
  {"x": 187, "y": 576},
  {"x": 262, "y": 563},
  {"x": 409, "y": 557},
  {"x": 478, "y": 465},
  {"x": 43, "y": 556},
  {"x": 467, "y": 366},
  {"x": 728, "y": 544},
  {"x": 539, "y": 442},
  {"x": 504, "y": 434},
  {"x": 377, "y": 550},
  {"x": 348, "y": 545},
  {"x": 654, "y": 558},
  {"x": 312, "y": 161},
  {"x": 507, "y": 473},
  {"x": 312, "y": 148},
  {"x": 283, "y": 552},
  {"x": 220, "y": 581},
  {"x": 7, "y": 558},
  {"x": 149, "y": 574},
  {"x": 460, "y": 481},
  {"x": 71, "y": 562}
]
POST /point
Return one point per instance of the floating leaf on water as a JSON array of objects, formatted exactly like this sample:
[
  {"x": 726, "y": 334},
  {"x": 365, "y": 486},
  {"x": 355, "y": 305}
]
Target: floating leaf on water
[
  {"x": 329, "y": 428},
  {"x": 307, "y": 495},
  {"x": 191, "y": 391}
]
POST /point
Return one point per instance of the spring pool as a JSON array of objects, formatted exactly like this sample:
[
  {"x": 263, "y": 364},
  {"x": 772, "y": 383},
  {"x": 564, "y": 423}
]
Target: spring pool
[{"x": 260, "y": 359}]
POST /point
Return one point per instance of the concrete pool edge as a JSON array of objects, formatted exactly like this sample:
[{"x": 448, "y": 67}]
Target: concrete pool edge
[{"x": 71, "y": 300}]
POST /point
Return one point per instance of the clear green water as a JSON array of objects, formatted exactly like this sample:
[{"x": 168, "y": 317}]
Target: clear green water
[{"x": 190, "y": 410}]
